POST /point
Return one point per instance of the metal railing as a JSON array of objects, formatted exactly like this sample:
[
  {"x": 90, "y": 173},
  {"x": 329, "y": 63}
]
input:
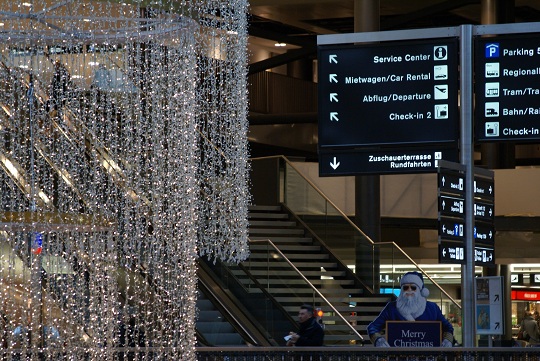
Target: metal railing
[
  {"x": 283, "y": 257},
  {"x": 331, "y": 209},
  {"x": 288, "y": 353},
  {"x": 345, "y": 239},
  {"x": 369, "y": 354}
]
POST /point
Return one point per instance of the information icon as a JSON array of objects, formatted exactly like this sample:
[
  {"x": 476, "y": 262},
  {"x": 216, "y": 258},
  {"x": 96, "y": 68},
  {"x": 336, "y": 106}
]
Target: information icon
[
  {"x": 441, "y": 91},
  {"x": 440, "y": 72},
  {"x": 440, "y": 52},
  {"x": 492, "y": 129},
  {"x": 492, "y": 109},
  {"x": 492, "y": 90},
  {"x": 492, "y": 70},
  {"x": 441, "y": 111}
]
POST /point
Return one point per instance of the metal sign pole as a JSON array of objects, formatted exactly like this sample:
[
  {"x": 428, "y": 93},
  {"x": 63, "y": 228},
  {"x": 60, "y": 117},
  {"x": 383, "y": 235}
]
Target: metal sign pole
[{"x": 467, "y": 270}]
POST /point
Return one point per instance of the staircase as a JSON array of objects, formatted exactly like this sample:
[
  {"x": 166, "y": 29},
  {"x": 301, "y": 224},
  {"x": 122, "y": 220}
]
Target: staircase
[{"x": 333, "y": 280}]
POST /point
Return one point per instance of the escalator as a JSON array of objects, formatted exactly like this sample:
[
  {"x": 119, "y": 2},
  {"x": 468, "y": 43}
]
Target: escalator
[{"x": 223, "y": 319}]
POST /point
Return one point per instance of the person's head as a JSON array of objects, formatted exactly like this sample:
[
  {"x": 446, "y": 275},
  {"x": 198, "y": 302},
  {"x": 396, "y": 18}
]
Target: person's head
[
  {"x": 411, "y": 302},
  {"x": 305, "y": 313},
  {"x": 412, "y": 285}
]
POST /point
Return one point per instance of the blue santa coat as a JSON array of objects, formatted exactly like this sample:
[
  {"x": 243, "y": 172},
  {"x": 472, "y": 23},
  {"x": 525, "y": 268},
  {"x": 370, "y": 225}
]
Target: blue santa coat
[{"x": 391, "y": 313}]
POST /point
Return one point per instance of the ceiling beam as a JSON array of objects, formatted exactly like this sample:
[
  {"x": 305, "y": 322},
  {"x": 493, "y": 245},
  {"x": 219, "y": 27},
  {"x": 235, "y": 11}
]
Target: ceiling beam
[{"x": 401, "y": 20}]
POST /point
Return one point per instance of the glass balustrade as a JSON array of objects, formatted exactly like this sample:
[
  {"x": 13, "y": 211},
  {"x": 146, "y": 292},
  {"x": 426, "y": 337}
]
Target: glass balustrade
[
  {"x": 273, "y": 289},
  {"x": 378, "y": 265}
]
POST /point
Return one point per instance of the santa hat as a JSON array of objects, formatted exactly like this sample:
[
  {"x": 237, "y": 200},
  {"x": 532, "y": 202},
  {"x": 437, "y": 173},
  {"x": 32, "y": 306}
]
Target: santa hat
[{"x": 417, "y": 279}]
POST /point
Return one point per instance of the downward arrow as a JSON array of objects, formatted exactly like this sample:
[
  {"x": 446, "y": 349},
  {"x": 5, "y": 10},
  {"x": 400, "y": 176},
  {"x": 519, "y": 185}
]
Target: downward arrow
[{"x": 335, "y": 164}]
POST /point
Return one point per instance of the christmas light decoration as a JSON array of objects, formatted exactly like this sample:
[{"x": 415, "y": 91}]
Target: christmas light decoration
[{"x": 123, "y": 158}]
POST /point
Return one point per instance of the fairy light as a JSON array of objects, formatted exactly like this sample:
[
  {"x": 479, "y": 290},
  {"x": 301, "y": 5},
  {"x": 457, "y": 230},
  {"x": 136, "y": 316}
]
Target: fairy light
[{"x": 152, "y": 135}]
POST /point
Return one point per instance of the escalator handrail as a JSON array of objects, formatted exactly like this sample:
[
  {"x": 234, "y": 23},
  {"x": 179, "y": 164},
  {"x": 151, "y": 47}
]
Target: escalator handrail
[{"x": 205, "y": 278}]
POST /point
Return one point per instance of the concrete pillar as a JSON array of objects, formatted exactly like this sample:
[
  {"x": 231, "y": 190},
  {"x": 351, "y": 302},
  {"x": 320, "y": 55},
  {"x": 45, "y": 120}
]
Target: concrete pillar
[{"x": 367, "y": 188}]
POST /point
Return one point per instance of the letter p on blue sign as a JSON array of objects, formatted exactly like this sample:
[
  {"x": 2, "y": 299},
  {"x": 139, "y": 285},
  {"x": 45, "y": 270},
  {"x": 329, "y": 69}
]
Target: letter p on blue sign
[{"x": 492, "y": 50}]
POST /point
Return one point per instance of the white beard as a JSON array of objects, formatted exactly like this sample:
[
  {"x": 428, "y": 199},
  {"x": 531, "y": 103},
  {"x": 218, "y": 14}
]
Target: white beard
[{"x": 411, "y": 307}]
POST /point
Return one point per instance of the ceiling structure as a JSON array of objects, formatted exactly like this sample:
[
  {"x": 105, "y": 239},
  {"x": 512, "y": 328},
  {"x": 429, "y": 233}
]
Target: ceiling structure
[{"x": 295, "y": 24}]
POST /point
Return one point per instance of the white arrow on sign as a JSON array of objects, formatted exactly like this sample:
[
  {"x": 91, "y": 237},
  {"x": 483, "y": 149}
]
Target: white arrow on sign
[
  {"x": 334, "y": 116},
  {"x": 333, "y": 97},
  {"x": 334, "y": 164},
  {"x": 490, "y": 189},
  {"x": 333, "y": 78},
  {"x": 332, "y": 58},
  {"x": 444, "y": 228},
  {"x": 443, "y": 180},
  {"x": 443, "y": 204},
  {"x": 444, "y": 252}
]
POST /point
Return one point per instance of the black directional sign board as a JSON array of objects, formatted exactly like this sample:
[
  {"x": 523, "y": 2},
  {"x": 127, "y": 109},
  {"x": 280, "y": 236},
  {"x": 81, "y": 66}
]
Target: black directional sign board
[
  {"x": 452, "y": 229},
  {"x": 454, "y": 252},
  {"x": 451, "y": 252},
  {"x": 451, "y": 182},
  {"x": 338, "y": 162},
  {"x": 386, "y": 94},
  {"x": 484, "y": 233},
  {"x": 451, "y": 206},
  {"x": 484, "y": 255},
  {"x": 484, "y": 188},
  {"x": 507, "y": 88},
  {"x": 484, "y": 211}
]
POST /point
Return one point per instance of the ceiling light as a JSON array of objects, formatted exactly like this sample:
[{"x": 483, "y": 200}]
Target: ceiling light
[{"x": 280, "y": 44}]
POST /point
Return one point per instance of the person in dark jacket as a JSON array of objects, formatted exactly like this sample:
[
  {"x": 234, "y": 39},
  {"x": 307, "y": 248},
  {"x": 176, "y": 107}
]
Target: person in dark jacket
[
  {"x": 59, "y": 88},
  {"x": 530, "y": 328},
  {"x": 310, "y": 332}
]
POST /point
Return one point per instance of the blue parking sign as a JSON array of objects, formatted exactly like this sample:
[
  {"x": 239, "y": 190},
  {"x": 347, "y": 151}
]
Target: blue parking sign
[{"x": 492, "y": 50}]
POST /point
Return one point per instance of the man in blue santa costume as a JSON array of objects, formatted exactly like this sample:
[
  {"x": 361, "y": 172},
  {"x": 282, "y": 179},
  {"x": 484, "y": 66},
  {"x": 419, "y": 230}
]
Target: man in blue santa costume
[{"x": 411, "y": 305}]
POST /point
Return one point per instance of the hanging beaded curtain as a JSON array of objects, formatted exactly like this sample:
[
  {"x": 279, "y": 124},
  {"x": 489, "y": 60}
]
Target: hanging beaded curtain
[
  {"x": 123, "y": 157},
  {"x": 222, "y": 107}
]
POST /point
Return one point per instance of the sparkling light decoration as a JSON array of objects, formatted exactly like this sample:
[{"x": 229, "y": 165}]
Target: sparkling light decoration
[{"x": 123, "y": 158}]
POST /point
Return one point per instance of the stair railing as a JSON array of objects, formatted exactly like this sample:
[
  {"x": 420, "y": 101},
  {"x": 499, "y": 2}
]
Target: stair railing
[
  {"x": 310, "y": 203},
  {"x": 307, "y": 281}
]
